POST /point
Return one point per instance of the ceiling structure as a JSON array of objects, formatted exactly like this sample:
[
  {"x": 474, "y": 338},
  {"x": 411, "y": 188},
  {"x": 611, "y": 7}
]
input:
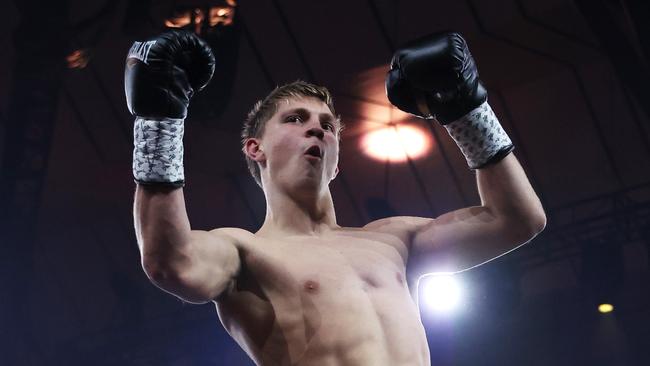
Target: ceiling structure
[{"x": 579, "y": 130}]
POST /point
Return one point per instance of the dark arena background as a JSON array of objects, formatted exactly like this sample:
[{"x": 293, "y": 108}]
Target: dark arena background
[{"x": 568, "y": 80}]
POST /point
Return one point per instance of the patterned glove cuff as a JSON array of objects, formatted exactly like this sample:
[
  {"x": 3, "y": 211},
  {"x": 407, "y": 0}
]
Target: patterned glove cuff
[
  {"x": 480, "y": 137},
  {"x": 158, "y": 151}
]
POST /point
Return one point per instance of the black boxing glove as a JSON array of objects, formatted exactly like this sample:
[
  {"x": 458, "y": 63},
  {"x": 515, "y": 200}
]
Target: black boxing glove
[
  {"x": 436, "y": 73},
  {"x": 160, "y": 78},
  {"x": 436, "y": 77},
  {"x": 162, "y": 74}
]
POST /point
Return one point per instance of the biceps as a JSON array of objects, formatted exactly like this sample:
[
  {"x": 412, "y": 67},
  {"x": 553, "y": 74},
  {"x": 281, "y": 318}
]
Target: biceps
[
  {"x": 461, "y": 240},
  {"x": 206, "y": 270}
]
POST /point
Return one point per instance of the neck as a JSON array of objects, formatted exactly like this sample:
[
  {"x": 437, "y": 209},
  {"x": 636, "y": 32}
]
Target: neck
[{"x": 310, "y": 213}]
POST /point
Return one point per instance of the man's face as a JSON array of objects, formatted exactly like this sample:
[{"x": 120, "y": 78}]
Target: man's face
[{"x": 299, "y": 147}]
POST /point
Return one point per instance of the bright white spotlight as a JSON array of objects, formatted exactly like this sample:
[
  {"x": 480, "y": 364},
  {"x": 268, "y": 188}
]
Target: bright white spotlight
[
  {"x": 441, "y": 293},
  {"x": 396, "y": 143}
]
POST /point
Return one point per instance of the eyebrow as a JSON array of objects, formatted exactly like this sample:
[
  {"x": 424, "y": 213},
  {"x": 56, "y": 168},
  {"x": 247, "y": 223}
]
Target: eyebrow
[{"x": 322, "y": 117}]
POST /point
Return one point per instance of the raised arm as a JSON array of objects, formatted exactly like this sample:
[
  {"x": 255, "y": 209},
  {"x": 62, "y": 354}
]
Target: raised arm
[
  {"x": 161, "y": 76},
  {"x": 196, "y": 266},
  {"x": 510, "y": 215},
  {"x": 436, "y": 77}
]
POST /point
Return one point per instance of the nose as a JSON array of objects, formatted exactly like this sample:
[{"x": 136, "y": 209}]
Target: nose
[{"x": 316, "y": 131}]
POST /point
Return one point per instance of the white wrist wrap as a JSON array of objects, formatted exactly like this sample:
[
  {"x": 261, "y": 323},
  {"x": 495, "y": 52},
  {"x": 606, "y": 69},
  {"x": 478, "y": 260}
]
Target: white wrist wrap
[
  {"x": 158, "y": 151},
  {"x": 479, "y": 136}
]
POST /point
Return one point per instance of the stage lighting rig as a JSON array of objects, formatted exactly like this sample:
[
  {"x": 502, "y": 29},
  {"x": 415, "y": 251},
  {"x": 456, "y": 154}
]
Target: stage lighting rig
[{"x": 202, "y": 16}]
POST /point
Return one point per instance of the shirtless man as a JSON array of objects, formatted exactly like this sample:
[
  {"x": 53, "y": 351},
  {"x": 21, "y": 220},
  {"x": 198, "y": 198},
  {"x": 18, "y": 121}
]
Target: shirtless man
[{"x": 303, "y": 290}]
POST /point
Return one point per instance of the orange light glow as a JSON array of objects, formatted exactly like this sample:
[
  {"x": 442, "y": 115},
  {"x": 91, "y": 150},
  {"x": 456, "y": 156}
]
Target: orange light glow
[
  {"x": 78, "y": 59},
  {"x": 385, "y": 133},
  {"x": 181, "y": 19},
  {"x": 396, "y": 143},
  {"x": 223, "y": 15}
]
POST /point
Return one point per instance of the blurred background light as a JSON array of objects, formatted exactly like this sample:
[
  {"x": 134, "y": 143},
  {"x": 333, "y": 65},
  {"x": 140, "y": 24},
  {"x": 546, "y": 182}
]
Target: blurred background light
[
  {"x": 396, "y": 143},
  {"x": 605, "y": 308},
  {"x": 216, "y": 15}
]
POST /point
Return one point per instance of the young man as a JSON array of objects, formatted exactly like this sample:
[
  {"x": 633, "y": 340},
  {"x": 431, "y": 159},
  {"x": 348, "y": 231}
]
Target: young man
[{"x": 303, "y": 290}]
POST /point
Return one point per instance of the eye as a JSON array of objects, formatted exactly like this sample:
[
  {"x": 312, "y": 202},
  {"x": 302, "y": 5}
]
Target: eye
[
  {"x": 329, "y": 126},
  {"x": 294, "y": 118}
]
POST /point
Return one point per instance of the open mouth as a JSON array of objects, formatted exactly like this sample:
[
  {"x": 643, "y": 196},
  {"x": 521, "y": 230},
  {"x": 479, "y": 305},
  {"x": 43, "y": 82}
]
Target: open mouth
[{"x": 314, "y": 151}]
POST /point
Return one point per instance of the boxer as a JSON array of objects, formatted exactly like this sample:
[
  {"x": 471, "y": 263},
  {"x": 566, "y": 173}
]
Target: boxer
[{"x": 303, "y": 290}]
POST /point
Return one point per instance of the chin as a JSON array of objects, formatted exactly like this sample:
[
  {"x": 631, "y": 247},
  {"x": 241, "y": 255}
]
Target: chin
[{"x": 307, "y": 181}]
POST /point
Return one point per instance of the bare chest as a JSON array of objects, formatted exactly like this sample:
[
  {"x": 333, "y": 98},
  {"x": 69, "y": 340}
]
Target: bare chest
[
  {"x": 320, "y": 266},
  {"x": 322, "y": 292}
]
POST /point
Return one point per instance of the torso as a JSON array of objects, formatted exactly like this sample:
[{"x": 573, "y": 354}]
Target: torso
[{"x": 339, "y": 299}]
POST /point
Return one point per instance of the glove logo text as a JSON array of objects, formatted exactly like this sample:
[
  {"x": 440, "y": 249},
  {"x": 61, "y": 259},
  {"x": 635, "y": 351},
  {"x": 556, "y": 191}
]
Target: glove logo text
[{"x": 140, "y": 50}]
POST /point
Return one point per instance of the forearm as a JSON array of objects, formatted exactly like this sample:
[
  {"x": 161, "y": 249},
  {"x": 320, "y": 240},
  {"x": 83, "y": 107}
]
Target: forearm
[
  {"x": 161, "y": 224},
  {"x": 505, "y": 190}
]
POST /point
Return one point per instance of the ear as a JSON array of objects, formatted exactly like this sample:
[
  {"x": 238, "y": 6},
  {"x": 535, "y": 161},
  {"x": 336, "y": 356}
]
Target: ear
[
  {"x": 336, "y": 172},
  {"x": 253, "y": 149}
]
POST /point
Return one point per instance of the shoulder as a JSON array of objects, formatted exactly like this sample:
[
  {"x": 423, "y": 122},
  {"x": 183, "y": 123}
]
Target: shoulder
[
  {"x": 404, "y": 227},
  {"x": 233, "y": 234},
  {"x": 400, "y": 229}
]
